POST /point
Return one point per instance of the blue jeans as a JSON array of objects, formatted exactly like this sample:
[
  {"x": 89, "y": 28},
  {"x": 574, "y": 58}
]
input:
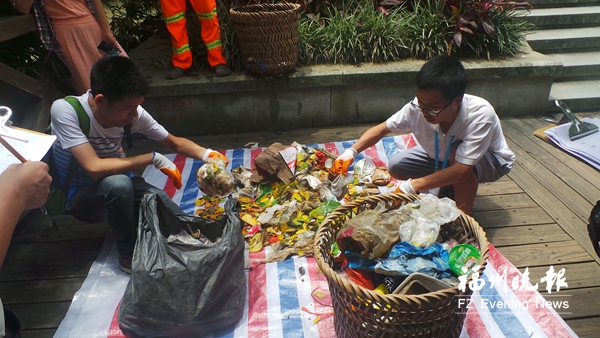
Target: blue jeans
[{"x": 117, "y": 199}]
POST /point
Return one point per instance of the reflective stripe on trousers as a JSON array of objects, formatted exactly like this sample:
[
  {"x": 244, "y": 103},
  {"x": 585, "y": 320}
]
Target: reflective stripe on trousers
[{"x": 174, "y": 16}]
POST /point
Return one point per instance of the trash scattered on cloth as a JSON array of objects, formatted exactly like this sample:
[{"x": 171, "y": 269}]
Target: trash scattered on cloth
[{"x": 291, "y": 190}]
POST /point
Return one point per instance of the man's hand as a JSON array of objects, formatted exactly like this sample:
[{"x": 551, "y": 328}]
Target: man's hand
[
  {"x": 341, "y": 164},
  {"x": 407, "y": 187},
  {"x": 168, "y": 168},
  {"x": 211, "y": 155}
]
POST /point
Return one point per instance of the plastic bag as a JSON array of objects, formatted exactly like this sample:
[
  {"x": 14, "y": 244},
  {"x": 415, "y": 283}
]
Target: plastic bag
[
  {"x": 214, "y": 180},
  {"x": 426, "y": 217},
  {"x": 179, "y": 289},
  {"x": 404, "y": 259},
  {"x": 372, "y": 232}
]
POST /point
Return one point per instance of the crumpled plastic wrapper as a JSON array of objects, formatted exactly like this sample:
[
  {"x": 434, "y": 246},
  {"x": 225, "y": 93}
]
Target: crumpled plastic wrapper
[
  {"x": 214, "y": 180},
  {"x": 427, "y": 215},
  {"x": 372, "y": 232}
]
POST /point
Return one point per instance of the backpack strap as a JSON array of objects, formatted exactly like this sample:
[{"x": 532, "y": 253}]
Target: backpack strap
[
  {"x": 84, "y": 124},
  {"x": 84, "y": 119}
]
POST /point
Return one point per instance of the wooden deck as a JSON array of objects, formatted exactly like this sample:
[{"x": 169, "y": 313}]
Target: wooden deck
[{"x": 536, "y": 217}]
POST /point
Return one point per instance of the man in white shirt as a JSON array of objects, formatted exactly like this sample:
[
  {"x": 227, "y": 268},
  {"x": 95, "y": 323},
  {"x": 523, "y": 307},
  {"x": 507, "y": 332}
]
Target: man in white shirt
[
  {"x": 460, "y": 138},
  {"x": 102, "y": 186}
]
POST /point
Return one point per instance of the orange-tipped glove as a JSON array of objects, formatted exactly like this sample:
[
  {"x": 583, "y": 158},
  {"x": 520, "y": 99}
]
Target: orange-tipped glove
[
  {"x": 211, "y": 155},
  {"x": 341, "y": 164},
  {"x": 167, "y": 167}
]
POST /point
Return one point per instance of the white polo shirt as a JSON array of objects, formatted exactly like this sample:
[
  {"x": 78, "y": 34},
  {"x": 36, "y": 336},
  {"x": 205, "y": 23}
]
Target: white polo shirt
[{"x": 476, "y": 125}]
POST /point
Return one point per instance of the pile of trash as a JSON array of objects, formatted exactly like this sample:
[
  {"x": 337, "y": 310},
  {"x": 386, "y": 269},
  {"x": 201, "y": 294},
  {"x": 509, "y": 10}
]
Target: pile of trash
[
  {"x": 403, "y": 250},
  {"x": 286, "y": 197}
]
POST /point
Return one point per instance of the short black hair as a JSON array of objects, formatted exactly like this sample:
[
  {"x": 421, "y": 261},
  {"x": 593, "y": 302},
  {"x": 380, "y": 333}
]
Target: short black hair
[
  {"x": 443, "y": 73},
  {"x": 117, "y": 77}
]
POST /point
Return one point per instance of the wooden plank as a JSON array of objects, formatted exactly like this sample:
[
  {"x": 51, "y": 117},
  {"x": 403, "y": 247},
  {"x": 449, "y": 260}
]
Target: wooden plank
[
  {"x": 36, "y": 219},
  {"x": 499, "y": 202},
  {"x": 54, "y": 250},
  {"x": 36, "y": 316},
  {"x": 584, "y": 327},
  {"x": 47, "y": 333},
  {"x": 517, "y": 133},
  {"x": 545, "y": 254},
  {"x": 499, "y": 187},
  {"x": 540, "y": 233},
  {"x": 17, "y": 79},
  {"x": 582, "y": 302},
  {"x": 512, "y": 217},
  {"x": 557, "y": 188},
  {"x": 585, "y": 171},
  {"x": 580, "y": 275},
  {"x": 66, "y": 232},
  {"x": 17, "y": 25},
  {"x": 563, "y": 216},
  {"x": 51, "y": 290},
  {"x": 37, "y": 268}
]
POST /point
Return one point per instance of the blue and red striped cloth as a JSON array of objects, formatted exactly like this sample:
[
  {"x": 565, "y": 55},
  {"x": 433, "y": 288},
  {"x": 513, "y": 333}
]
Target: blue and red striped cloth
[{"x": 291, "y": 299}]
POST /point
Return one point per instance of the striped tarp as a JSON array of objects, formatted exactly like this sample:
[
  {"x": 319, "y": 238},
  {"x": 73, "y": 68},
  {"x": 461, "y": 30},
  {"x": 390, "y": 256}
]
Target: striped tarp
[{"x": 291, "y": 298}]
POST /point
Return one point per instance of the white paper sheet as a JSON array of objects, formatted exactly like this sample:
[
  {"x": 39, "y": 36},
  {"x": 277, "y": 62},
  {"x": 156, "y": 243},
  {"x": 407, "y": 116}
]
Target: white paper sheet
[
  {"x": 587, "y": 148},
  {"x": 30, "y": 144}
]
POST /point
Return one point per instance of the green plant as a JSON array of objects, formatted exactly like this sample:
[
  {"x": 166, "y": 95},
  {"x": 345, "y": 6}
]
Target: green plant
[
  {"x": 133, "y": 21},
  {"x": 354, "y": 32},
  {"x": 428, "y": 33},
  {"x": 507, "y": 41},
  {"x": 477, "y": 24},
  {"x": 23, "y": 53}
]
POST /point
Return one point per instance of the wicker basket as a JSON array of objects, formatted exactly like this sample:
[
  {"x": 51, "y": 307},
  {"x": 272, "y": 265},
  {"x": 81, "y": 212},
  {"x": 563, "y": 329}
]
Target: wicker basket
[
  {"x": 268, "y": 37},
  {"x": 360, "y": 312}
]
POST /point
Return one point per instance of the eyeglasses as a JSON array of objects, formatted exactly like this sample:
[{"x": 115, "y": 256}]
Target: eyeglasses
[{"x": 425, "y": 110}]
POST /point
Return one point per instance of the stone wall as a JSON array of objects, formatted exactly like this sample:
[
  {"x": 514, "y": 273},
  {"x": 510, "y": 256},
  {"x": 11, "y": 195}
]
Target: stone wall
[{"x": 328, "y": 95}]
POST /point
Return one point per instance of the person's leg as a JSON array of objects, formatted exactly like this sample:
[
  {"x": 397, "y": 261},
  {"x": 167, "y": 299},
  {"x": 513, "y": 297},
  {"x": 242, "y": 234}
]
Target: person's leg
[
  {"x": 174, "y": 16},
  {"x": 113, "y": 198},
  {"x": 211, "y": 34},
  {"x": 141, "y": 188},
  {"x": 489, "y": 169},
  {"x": 411, "y": 163}
]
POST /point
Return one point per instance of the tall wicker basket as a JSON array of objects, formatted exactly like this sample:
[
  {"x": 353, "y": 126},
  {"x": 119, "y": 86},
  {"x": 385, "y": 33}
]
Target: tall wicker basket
[
  {"x": 360, "y": 312},
  {"x": 268, "y": 37}
]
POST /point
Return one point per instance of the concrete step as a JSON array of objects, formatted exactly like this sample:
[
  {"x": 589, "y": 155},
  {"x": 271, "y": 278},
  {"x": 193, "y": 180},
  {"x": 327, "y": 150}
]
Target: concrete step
[
  {"x": 578, "y": 95},
  {"x": 577, "y": 66},
  {"x": 565, "y": 17},
  {"x": 562, "y": 3},
  {"x": 569, "y": 40}
]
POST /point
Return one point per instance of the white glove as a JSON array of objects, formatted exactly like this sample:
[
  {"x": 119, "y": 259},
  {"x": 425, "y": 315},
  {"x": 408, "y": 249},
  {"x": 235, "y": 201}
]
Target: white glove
[
  {"x": 167, "y": 167},
  {"x": 210, "y": 155},
  {"x": 341, "y": 164},
  {"x": 407, "y": 187}
]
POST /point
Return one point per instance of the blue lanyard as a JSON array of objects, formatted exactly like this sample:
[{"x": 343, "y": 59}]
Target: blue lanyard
[{"x": 446, "y": 156}]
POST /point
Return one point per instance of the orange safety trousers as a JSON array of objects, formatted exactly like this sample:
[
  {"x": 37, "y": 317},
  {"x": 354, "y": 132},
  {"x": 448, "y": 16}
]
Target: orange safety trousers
[{"x": 174, "y": 16}]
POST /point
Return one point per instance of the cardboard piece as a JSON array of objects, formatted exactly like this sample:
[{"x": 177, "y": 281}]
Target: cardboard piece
[{"x": 271, "y": 163}]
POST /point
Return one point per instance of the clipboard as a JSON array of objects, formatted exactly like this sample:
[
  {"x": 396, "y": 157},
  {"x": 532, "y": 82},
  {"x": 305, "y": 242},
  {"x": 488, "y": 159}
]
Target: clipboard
[{"x": 32, "y": 145}]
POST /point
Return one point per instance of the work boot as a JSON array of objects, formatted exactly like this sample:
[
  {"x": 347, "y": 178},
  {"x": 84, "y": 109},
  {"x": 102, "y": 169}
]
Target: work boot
[
  {"x": 222, "y": 70},
  {"x": 177, "y": 72}
]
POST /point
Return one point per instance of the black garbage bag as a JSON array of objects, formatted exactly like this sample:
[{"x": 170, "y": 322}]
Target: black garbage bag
[
  {"x": 594, "y": 227},
  {"x": 184, "y": 290}
]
